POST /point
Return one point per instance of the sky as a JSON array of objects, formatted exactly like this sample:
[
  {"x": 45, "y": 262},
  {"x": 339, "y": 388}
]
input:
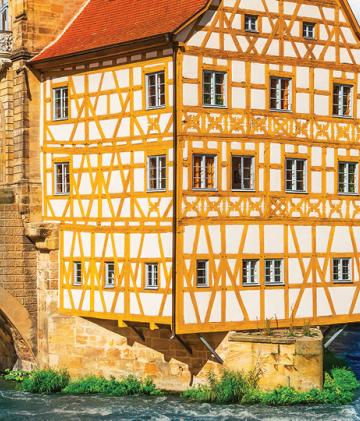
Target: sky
[{"x": 355, "y": 4}]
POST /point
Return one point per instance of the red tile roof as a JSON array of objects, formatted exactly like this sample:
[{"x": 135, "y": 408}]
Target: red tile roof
[{"x": 104, "y": 23}]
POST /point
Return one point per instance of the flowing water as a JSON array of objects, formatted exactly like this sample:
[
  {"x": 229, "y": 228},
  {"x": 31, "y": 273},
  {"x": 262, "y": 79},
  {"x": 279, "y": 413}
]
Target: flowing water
[{"x": 17, "y": 406}]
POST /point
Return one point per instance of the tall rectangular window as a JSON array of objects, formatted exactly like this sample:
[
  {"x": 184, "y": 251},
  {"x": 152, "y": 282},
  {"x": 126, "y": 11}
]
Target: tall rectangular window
[
  {"x": 251, "y": 23},
  {"x": 214, "y": 87},
  {"x": 202, "y": 273},
  {"x": 250, "y": 272},
  {"x": 61, "y": 103},
  {"x": 242, "y": 173},
  {"x": 204, "y": 172},
  {"x": 4, "y": 15},
  {"x": 151, "y": 275},
  {"x": 273, "y": 271},
  {"x": 156, "y": 173},
  {"x": 295, "y": 175},
  {"x": 77, "y": 273},
  {"x": 342, "y": 106},
  {"x": 342, "y": 270},
  {"x": 309, "y": 30},
  {"x": 62, "y": 178},
  {"x": 348, "y": 178},
  {"x": 280, "y": 94},
  {"x": 109, "y": 274},
  {"x": 155, "y": 90}
]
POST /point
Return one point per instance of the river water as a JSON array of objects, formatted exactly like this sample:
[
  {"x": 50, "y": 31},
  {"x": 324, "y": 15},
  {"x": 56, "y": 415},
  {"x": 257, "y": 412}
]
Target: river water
[{"x": 17, "y": 406}]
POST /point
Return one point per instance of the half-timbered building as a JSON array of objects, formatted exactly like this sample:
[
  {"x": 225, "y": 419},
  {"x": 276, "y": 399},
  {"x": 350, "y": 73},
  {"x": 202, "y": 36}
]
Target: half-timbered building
[{"x": 201, "y": 159}]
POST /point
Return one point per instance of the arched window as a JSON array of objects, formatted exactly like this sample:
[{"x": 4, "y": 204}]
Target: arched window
[{"x": 4, "y": 18}]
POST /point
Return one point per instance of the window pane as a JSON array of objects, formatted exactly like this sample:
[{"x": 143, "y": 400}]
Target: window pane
[{"x": 201, "y": 273}]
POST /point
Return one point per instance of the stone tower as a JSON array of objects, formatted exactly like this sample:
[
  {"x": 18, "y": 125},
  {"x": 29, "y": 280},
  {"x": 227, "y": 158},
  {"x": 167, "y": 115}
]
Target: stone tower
[{"x": 26, "y": 26}]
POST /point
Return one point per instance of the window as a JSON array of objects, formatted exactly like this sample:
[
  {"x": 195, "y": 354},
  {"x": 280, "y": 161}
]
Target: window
[
  {"x": 342, "y": 270},
  {"x": 273, "y": 271},
  {"x": 202, "y": 275},
  {"x": 61, "y": 103},
  {"x": 295, "y": 175},
  {"x": 62, "y": 178},
  {"x": 250, "y": 272},
  {"x": 214, "y": 89},
  {"x": 156, "y": 173},
  {"x": 204, "y": 172},
  {"x": 151, "y": 275},
  {"x": 77, "y": 273},
  {"x": 251, "y": 23},
  {"x": 309, "y": 30},
  {"x": 242, "y": 173},
  {"x": 342, "y": 100},
  {"x": 280, "y": 94},
  {"x": 109, "y": 274},
  {"x": 4, "y": 19},
  {"x": 348, "y": 177},
  {"x": 155, "y": 90}
]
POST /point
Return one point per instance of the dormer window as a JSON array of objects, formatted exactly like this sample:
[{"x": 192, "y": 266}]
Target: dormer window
[
  {"x": 251, "y": 23},
  {"x": 309, "y": 30},
  {"x": 4, "y": 19}
]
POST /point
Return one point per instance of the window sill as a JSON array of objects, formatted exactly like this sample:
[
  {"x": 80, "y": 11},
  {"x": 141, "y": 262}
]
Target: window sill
[
  {"x": 243, "y": 190},
  {"x": 349, "y": 194},
  {"x": 202, "y": 286},
  {"x": 251, "y": 31},
  {"x": 60, "y": 119},
  {"x": 274, "y": 284},
  {"x": 61, "y": 194},
  {"x": 343, "y": 282},
  {"x": 77, "y": 285},
  {"x": 109, "y": 286},
  {"x": 155, "y": 108},
  {"x": 215, "y": 106},
  {"x": 248, "y": 285},
  {"x": 274, "y": 110},
  {"x": 156, "y": 190},
  {"x": 151, "y": 288},
  {"x": 204, "y": 190},
  {"x": 296, "y": 192},
  {"x": 345, "y": 117}
]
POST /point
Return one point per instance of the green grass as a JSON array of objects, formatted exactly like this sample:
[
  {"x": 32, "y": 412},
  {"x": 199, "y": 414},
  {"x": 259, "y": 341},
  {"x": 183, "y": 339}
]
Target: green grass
[
  {"x": 339, "y": 389},
  {"x": 125, "y": 387},
  {"x": 45, "y": 381}
]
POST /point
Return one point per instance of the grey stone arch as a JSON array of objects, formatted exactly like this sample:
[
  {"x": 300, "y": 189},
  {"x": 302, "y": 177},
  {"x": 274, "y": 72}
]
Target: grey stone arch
[{"x": 17, "y": 334}]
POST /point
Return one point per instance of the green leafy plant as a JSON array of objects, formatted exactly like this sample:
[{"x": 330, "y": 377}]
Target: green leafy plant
[
  {"x": 46, "y": 381},
  {"x": 16, "y": 375}
]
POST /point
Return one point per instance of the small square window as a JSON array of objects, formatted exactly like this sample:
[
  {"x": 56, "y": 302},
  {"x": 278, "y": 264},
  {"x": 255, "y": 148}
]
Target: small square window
[
  {"x": 151, "y": 275},
  {"x": 242, "y": 173},
  {"x": 214, "y": 87},
  {"x": 155, "y": 90},
  {"x": 295, "y": 175},
  {"x": 309, "y": 30},
  {"x": 342, "y": 270},
  {"x": 251, "y": 23},
  {"x": 250, "y": 272},
  {"x": 342, "y": 103},
  {"x": 273, "y": 271},
  {"x": 62, "y": 178},
  {"x": 61, "y": 103},
  {"x": 202, "y": 273},
  {"x": 348, "y": 178},
  {"x": 77, "y": 273},
  {"x": 204, "y": 172},
  {"x": 109, "y": 274},
  {"x": 280, "y": 94},
  {"x": 156, "y": 173}
]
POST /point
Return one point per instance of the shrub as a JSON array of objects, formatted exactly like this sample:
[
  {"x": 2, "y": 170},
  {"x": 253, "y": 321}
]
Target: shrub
[
  {"x": 125, "y": 387},
  {"x": 16, "y": 375},
  {"x": 45, "y": 381}
]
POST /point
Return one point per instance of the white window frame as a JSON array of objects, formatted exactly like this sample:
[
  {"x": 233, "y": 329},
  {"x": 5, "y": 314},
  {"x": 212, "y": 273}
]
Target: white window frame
[
  {"x": 65, "y": 171},
  {"x": 340, "y": 270},
  {"x": 250, "y": 271},
  {"x": 346, "y": 178},
  {"x": 203, "y": 172},
  {"x": 278, "y": 94},
  {"x": 213, "y": 89},
  {"x": 64, "y": 103},
  {"x": 109, "y": 274},
  {"x": 251, "y": 23},
  {"x": 4, "y": 16},
  {"x": 294, "y": 173},
  {"x": 201, "y": 284},
  {"x": 158, "y": 102},
  {"x": 341, "y": 98},
  {"x": 309, "y": 30},
  {"x": 272, "y": 272},
  {"x": 77, "y": 268},
  {"x": 252, "y": 180},
  {"x": 158, "y": 180},
  {"x": 152, "y": 275}
]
